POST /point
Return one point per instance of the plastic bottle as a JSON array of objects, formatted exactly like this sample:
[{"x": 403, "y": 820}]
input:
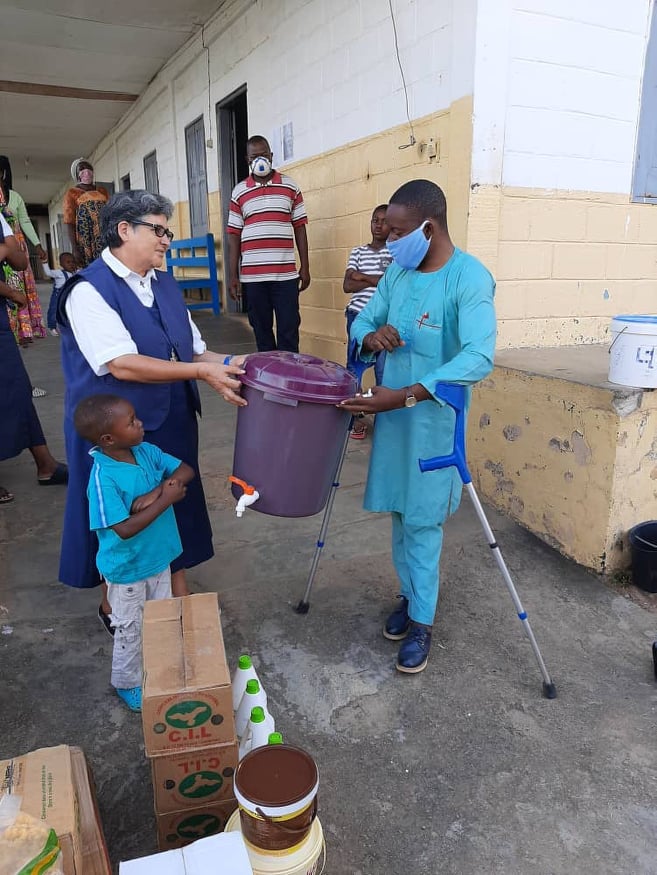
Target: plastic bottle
[
  {"x": 258, "y": 730},
  {"x": 275, "y": 738},
  {"x": 253, "y": 695},
  {"x": 243, "y": 673}
]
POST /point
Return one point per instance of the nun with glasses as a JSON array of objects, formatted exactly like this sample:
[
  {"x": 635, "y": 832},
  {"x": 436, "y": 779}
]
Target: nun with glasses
[{"x": 126, "y": 331}]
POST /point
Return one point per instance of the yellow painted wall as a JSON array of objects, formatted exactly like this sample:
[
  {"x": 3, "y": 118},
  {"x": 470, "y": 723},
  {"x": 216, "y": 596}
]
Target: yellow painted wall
[
  {"x": 565, "y": 262},
  {"x": 574, "y": 463},
  {"x": 342, "y": 187},
  {"x": 180, "y": 225},
  {"x": 568, "y": 458}
]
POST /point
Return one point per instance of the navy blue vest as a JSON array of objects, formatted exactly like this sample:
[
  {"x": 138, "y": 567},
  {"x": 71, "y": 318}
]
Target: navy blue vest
[{"x": 156, "y": 332}]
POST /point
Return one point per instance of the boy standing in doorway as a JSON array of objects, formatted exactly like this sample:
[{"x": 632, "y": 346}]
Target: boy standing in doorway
[{"x": 267, "y": 217}]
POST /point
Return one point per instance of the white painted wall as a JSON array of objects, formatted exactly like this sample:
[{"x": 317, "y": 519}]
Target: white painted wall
[
  {"x": 329, "y": 68},
  {"x": 557, "y": 92}
]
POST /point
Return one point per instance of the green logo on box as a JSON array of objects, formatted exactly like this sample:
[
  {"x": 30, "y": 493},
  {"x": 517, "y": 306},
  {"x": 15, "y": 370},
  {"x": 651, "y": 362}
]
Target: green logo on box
[
  {"x": 187, "y": 715},
  {"x": 198, "y": 826},
  {"x": 200, "y": 784}
]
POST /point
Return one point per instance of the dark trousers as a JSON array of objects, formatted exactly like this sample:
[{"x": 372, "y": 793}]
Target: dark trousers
[
  {"x": 280, "y": 297},
  {"x": 51, "y": 318},
  {"x": 379, "y": 360}
]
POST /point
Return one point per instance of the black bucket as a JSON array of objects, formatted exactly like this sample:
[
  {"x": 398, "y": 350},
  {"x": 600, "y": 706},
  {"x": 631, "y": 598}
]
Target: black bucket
[{"x": 643, "y": 540}]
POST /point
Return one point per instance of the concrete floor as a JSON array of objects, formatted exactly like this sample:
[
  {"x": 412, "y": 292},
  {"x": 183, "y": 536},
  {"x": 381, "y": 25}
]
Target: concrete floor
[{"x": 462, "y": 769}]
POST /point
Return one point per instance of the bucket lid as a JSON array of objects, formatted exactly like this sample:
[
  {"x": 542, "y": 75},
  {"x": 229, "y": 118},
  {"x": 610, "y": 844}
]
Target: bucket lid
[
  {"x": 274, "y": 776},
  {"x": 650, "y": 319},
  {"x": 634, "y": 324},
  {"x": 299, "y": 376}
]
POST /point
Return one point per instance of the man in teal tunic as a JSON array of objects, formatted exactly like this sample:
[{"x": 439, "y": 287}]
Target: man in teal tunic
[{"x": 433, "y": 314}]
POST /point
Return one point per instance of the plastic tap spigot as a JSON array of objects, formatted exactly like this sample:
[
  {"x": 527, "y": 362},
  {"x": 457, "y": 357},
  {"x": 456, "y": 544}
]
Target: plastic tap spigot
[{"x": 249, "y": 495}]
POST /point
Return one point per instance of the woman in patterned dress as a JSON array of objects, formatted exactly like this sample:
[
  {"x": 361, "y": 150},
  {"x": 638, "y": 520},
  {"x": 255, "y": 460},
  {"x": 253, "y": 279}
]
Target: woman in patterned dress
[
  {"x": 82, "y": 206},
  {"x": 27, "y": 321}
]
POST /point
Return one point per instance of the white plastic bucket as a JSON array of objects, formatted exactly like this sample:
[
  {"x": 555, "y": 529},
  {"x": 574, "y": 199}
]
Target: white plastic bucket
[
  {"x": 307, "y": 858},
  {"x": 633, "y": 351}
]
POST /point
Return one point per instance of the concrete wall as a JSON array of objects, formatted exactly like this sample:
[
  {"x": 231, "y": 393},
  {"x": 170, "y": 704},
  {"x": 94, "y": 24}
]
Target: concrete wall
[
  {"x": 341, "y": 188},
  {"x": 556, "y": 108},
  {"x": 573, "y": 461}
]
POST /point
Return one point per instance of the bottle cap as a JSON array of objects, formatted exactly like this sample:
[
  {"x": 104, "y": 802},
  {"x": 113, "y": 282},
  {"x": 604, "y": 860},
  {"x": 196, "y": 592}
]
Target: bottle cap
[
  {"x": 244, "y": 661},
  {"x": 275, "y": 738},
  {"x": 252, "y": 686},
  {"x": 257, "y": 714}
]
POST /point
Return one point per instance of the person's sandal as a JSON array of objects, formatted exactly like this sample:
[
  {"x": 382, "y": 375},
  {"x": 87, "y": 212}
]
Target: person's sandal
[
  {"x": 38, "y": 393},
  {"x": 106, "y": 620},
  {"x": 131, "y": 697},
  {"x": 59, "y": 476},
  {"x": 359, "y": 434},
  {"x": 5, "y": 495}
]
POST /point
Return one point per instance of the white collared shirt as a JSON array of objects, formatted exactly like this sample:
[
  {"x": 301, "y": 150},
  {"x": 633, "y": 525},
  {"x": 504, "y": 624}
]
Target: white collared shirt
[{"x": 99, "y": 330}]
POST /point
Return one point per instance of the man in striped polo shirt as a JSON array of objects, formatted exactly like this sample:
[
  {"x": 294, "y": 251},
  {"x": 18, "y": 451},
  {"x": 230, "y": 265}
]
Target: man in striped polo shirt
[{"x": 266, "y": 217}]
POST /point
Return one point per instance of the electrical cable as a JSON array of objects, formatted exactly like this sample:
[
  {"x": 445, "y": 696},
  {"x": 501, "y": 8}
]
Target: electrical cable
[
  {"x": 403, "y": 78},
  {"x": 207, "y": 56}
]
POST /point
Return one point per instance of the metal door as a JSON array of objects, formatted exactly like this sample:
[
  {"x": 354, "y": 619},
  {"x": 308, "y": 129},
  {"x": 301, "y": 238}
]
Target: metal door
[
  {"x": 151, "y": 179},
  {"x": 197, "y": 181},
  {"x": 232, "y": 122}
]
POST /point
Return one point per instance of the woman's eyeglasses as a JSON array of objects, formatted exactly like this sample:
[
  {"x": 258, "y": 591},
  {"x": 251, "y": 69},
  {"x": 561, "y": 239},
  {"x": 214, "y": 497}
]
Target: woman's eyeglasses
[{"x": 160, "y": 230}]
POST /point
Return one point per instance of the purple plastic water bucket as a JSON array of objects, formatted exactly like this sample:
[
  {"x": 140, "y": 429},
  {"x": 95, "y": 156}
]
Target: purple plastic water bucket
[{"x": 290, "y": 437}]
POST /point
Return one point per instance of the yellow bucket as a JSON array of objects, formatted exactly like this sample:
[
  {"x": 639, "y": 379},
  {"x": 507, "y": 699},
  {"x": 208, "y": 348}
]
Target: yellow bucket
[{"x": 307, "y": 858}]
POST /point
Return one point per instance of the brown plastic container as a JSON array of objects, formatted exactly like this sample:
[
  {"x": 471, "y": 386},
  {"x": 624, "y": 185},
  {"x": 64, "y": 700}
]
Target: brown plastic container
[{"x": 276, "y": 788}]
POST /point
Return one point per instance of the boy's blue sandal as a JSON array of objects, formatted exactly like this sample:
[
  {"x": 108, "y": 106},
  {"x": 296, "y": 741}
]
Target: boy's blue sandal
[
  {"x": 397, "y": 624},
  {"x": 131, "y": 697},
  {"x": 414, "y": 652}
]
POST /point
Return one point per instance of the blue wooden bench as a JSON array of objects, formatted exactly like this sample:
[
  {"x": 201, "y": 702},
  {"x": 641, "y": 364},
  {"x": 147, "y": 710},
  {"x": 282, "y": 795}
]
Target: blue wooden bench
[{"x": 174, "y": 259}]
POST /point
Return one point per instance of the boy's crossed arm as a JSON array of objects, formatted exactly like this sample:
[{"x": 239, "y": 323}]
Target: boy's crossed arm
[
  {"x": 183, "y": 473},
  {"x": 145, "y": 508}
]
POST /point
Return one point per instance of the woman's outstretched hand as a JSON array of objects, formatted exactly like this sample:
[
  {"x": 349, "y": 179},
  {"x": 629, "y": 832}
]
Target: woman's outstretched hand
[{"x": 223, "y": 379}]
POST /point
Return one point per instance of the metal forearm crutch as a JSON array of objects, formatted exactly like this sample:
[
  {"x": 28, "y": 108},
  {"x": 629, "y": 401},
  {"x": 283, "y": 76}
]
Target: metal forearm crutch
[
  {"x": 455, "y": 397},
  {"x": 304, "y": 605}
]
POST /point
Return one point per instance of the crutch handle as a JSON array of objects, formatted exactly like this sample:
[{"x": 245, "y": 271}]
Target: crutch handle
[
  {"x": 359, "y": 366},
  {"x": 454, "y": 396}
]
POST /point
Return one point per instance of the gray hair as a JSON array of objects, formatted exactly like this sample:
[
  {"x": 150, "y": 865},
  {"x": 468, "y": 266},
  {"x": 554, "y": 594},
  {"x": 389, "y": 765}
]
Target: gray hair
[{"x": 130, "y": 206}]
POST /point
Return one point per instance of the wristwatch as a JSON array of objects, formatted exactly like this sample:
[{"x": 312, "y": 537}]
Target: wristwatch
[{"x": 411, "y": 400}]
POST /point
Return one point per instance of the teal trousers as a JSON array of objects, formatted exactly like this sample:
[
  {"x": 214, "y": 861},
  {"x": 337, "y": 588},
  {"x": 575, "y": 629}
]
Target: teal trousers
[{"x": 416, "y": 555}]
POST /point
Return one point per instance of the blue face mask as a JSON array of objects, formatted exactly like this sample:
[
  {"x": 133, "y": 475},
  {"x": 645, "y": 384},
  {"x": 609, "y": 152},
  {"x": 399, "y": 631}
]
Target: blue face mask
[{"x": 409, "y": 251}]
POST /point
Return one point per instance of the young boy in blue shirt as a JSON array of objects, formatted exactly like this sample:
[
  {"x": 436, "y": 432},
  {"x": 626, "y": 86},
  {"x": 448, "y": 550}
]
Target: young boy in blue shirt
[{"x": 132, "y": 488}]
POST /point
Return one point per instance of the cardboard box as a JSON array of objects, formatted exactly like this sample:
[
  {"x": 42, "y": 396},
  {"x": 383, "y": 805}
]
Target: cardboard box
[
  {"x": 224, "y": 854},
  {"x": 95, "y": 859},
  {"x": 187, "y": 699},
  {"x": 55, "y": 786},
  {"x": 195, "y": 777},
  {"x": 179, "y": 828}
]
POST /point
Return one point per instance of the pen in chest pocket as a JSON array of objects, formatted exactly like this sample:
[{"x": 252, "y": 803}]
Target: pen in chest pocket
[{"x": 423, "y": 322}]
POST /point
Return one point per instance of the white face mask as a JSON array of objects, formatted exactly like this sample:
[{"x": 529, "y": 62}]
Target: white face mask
[{"x": 260, "y": 166}]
